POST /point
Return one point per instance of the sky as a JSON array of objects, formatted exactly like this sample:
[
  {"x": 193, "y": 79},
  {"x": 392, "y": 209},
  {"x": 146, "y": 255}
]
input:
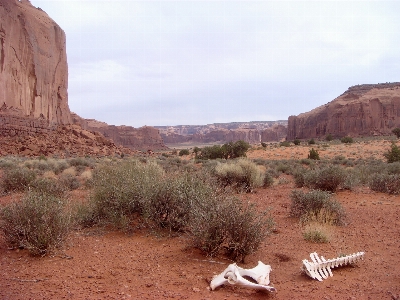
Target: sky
[{"x": 160, "y": 63}]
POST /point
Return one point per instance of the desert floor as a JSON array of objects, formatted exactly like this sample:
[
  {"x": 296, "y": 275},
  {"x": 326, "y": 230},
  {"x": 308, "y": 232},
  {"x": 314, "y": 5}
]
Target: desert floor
[{"x": 97, "y": 264}]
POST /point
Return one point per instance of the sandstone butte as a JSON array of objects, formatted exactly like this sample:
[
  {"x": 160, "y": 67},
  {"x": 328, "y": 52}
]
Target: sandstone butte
[
  {"x": 34, "y": 114},
  {"x": 362, "y": 110}
]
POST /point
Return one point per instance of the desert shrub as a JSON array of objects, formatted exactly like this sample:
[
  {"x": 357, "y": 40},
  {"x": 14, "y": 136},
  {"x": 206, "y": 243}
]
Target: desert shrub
[
  {"x": 313, "y": 154},
  {"x": 316, "y": 205},
  {"x": 210, "y": 152},
  {"x": 284, "y": 167},
  {"x": 119, "y": 190},
  {"x": 297, "y": 142},
  {"x": 220, "y": 222},
  {"x": 47, "y": 186},
  {"x": 347, "y": 140},
  {"x": 298, "y": 176},
  {"x": 392, "y": 155},
  {"x": 326, "y": 178},
  {"x": 264, "y": 145},
  {"x": 7, "y": 162},
  {"x": 60, "y": 166},
  {"x": 39, "y": 223},
  {"x": 311, "y": 142},
  {"x": 81, "y": 162},
  {"x": 315, "y": 235},
  {"x": 396, "y": 131},
  {"x": 184, "y": 152},
  {"x": 17, "y": 179},
  {"x": 242, "y": 174},
  {"x": 284, "y": 144},
  {"x": 171, "y": 204},
  {"x": 69, "y": 182},
  {"x": 385, "y": 183},
  {"x": 329, "y": 137},
  {"x": 268, "y": 179}
]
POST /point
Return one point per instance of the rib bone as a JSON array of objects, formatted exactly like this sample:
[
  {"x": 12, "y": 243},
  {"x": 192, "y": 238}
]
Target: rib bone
[
  {"x": 234, "y": 275},
  {"x": 320, "y": 268}
]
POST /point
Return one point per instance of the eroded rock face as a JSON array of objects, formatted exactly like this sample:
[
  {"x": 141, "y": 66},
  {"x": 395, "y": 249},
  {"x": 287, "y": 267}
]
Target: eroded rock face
[
  {"x": 363, "y": 110},
  {"x": 143, "y": 138},
  {"x": 33, "y": 64}
]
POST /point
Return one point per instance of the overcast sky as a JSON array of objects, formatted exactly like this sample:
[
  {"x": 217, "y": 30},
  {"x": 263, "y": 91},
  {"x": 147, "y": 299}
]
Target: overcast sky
[{"x": 199, "y": 62}]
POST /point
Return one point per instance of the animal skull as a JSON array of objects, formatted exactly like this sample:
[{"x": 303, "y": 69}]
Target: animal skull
[
  {"x": 234, "y": 275},
  {"x": 320, "y": 268}
]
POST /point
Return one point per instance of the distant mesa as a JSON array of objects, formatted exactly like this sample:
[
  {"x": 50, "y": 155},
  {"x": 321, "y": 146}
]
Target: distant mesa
[{"x": 362, "y": 110}]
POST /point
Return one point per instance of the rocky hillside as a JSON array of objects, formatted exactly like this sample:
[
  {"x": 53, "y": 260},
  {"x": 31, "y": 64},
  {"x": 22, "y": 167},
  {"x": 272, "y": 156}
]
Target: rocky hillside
[
  {"x": 362, "y": 110},
  {"x": 35, "y": 118},
  {"x": 251, "y": 132}
]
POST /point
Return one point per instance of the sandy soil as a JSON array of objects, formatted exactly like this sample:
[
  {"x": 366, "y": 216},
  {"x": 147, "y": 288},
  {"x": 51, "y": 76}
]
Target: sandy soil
[{"x": 110, "y": 265}]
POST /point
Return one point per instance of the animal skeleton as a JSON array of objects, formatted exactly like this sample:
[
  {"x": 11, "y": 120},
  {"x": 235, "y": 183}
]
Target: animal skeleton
[
  {"x": 234, "y": 275},
  {"x": 320, "y": 268}
]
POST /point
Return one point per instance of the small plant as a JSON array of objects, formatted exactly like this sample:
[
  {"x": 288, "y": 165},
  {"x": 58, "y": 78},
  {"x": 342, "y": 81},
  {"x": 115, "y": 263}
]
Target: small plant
[
  {"x": 284, "y": 144},
  {"x": 329, "y": 137},
  {"x": 39, "y": 223},
  {"x": 183, "y": 152},
  {"x": 264, "y": 145},
  {"x": 347, "y": 140},
  {"x": 327, "y": 178},
  {"x": 393, "y": 154},
  {"x": 315, "y": 234},
  {"x": 385, "y": 183},
  {"x": 243, "y": 174},
  {"x": 396, "y": 131},
  {"x": 313, "y": 154},
  {"x": 48, "y": 186},
  {"x": 297, "y": 142},
  {"x": 316, "y": 206},
  {"x": 17, "y": 179},
  {"x": 311, "y": 142},
  {"x": 268, "y": 180}
]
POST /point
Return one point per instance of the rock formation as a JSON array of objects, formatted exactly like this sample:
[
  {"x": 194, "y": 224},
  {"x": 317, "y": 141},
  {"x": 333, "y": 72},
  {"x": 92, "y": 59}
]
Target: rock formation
[
  {"x": 251, "y": 132},
  {"x": 363, "y": 110},
  {"x": 143, "y": 138},
  {"x": 33, "y": 64}
]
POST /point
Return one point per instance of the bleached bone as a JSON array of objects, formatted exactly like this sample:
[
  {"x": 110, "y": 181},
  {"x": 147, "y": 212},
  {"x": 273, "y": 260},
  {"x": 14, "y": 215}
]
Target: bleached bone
[
  {"x": 320, "y": 268},
  {"x": 234, "y": 275}
]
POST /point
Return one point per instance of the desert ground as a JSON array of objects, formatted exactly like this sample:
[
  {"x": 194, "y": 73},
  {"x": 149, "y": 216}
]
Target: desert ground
[{"x": 100, "y": 264}]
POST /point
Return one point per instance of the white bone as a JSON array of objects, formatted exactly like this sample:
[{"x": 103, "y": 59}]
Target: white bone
[
  {"x": 320, "y": 268},
  {"x": 234, "y": 275}
]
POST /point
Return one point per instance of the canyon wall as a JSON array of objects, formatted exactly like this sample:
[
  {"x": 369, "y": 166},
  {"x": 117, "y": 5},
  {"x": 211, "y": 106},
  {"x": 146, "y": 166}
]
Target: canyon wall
[
  {"x": 362, "y": 110},
  {"x": 33, "y": 64}
]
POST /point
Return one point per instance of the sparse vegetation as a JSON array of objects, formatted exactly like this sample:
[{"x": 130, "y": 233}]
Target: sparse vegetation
[
  {"x": 297, "y": 142},
  {"x": 347, "y": 140},
  {"x": 396, "y": 131},
  {"x": 315, "y": 234},
  {"x": 392, "y": 155},
  {"x": 313, "y": 154},
  {"x": 183, "y": 152},
  {"x": 329, "y": 137},
  {"x": 311, "y": 142},
  {"x": 17, "y": 179}
]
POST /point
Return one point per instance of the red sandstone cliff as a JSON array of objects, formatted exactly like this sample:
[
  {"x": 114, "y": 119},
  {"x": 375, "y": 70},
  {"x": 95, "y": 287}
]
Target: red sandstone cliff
[
  {"x": 33, "y": 64},
  {"x": 363, "y": 110}
]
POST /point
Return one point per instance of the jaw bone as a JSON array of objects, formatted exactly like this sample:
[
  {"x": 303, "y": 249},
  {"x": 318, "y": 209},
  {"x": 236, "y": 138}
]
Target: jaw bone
[
  {"x": 234, "y": 275},
  {"x": 320, "y": 268}
]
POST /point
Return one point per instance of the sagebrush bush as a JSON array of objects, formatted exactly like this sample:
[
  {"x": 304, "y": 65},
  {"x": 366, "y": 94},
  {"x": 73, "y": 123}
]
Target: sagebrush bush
[
  {"x": 70, "y": 182},
  {"x": 119, "y": 190},
  {"x": 48, "y": 186},
  {"x": 347, "y": 140},
  {"x": 242, "y": 174},
  {"x": 385, "y": 183},
  {"x": 221, "y": 222},
  {"x": 326, "y": 178},
  {"x": 316, "y": 205},
  {"x": 17, "y": 179},
  {"x": 268, "y": 179},
  {"x": 39, "y": 223}
]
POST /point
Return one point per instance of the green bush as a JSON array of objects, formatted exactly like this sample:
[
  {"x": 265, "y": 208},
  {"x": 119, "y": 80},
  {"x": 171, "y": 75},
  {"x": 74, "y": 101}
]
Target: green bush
[
  {"x": 242, "y": 174},
  {"x": 329, "y": 137},
  {"x": 315, "y": 236},
  {"x": 184, "y": 152},
  {"x": 297, "y": 142},
  {"x": 17, "y": 179},
  {"x": 396, "y": 131},
  {"x": 313, "y": 154},
  {"x": 48, "y": 186},
  {"x": 268, "y": 180},
  {"x": 220, "y": 223},
  {"x": 326, "y": 178},
  {"x": 392, "y": 155},
  {"x": 39, "y": 223},
  {"x": 284, "y": 144},
  {"x": 316, "y": 205},
  {"x": 311, "y": 142},
  {"x": 347, "y": 140},
  {"x": 264, "y": 145},
  {"x": 385, "y": 183}
]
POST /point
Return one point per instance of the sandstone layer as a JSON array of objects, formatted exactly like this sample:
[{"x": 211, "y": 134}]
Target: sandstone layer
[
  {"x": 363, "y": 110},
  {"x": 143, "y": 138},
  {"x": 33, "y": 64},
  {"x": 251, "y": 132}
]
